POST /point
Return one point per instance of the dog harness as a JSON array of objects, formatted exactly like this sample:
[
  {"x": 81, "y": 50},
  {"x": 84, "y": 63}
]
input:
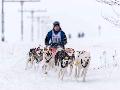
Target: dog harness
[{"x": 47, "y": 60}]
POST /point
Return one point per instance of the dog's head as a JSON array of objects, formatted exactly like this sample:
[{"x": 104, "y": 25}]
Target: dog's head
[
  {"x": 85, "y": 61},
  {"x": 48, "y": 51},
  {"x": 84, "y": 57},
  {"x": 38, "y": 48},
  {"x": 80, "y": 53},
  {"x": 70, "y": 51},
  {"x": 47, "y": 54},
  {"x": 63, "y": 58},
  {"x": 63, "y": 54},
  {"x": 40, "y": 52},
  {"x": 32, "y": 52},
  {"x": 65, "y": 61}
]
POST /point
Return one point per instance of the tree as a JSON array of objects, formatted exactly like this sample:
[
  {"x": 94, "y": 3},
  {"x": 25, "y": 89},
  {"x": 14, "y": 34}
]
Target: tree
[{"x": 113, "y": 3}]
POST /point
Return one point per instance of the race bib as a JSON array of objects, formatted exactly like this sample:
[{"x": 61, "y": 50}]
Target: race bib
[{"x": 56, "y": 38}]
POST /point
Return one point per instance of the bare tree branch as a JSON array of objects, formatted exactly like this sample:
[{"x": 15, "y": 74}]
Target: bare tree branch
[
  {"x": 112, "y": 20},
  {"x": 110, "y": 2},
  {"x": 115, "y": 12}
]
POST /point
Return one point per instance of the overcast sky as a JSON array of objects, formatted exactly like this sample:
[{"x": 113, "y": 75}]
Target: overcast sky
[{"x": 74, "y": 15}]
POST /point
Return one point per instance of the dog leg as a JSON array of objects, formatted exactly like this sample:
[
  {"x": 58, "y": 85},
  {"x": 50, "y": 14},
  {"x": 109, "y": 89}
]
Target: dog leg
[
  {"x": 83, "y": 71},
  {"x": 32, "y": 59},
  {"x": 47, "y": 67},
  {"x": 38, "y": 67},
  {"x": 63, "y": 72},
  {"x": 44, "y": 67},
  {"x": 79, "y": 69},
  {"x": 28, "y": 61},
  {"x": 57, "y": 67},
  {"x": 59, "y": 73},
  {"x": 26, "y": 65},
  {"x": 34, "y": 65},
  {"x": 84, "y": 74},
  {"x": 76, "y": 72},
  {"x": 71, "y": 68},
  {"x": 53, "y": 65}
]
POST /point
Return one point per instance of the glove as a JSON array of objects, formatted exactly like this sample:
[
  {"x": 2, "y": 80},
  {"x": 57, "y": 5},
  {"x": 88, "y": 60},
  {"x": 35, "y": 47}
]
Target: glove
[
  {"x": 61, "y": 44},
  {"x": 54, "y": 44}
]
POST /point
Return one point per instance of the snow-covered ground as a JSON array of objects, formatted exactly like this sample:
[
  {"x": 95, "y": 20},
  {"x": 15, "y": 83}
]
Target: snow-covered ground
[
  {"x": 103, "y": 74},
  {"x": 77, "y": 16}
]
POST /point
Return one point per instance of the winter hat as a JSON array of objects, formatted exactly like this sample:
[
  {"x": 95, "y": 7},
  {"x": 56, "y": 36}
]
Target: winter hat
[{"x": 56, "y": 23}]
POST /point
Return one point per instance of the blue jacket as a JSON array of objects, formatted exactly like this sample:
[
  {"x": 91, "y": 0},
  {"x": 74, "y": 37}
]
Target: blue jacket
[{"x": 49, "y": 37}]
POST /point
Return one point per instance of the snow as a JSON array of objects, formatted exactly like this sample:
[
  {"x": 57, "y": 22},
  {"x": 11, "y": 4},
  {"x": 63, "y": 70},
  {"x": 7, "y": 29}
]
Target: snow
[
  {"x": 104, "y": 71},
  {"x": 101, "y": 75}
]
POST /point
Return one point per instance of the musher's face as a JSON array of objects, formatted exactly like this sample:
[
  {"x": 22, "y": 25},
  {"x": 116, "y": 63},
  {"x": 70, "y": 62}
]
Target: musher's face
[{"x": 57, "y": 28}]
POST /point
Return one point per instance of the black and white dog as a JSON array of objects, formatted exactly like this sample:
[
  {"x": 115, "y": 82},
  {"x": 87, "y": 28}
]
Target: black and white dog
[
  {"x": 39, "y": 53},
  {"x": 62, "y": 60},
  {"x": 35, "y": 56},
  {"x": 82, "y": 62}
]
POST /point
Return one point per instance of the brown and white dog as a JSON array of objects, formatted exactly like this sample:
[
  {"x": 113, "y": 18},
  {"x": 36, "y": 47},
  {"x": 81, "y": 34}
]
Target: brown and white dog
[
  {"x": 47, "y": 60},
  {"x": 81, "y": 63},
  {"x": 71, "y": 53}
]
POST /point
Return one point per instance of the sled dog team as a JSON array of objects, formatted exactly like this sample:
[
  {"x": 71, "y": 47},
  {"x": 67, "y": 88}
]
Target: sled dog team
[{"x": 61, "y": 60}]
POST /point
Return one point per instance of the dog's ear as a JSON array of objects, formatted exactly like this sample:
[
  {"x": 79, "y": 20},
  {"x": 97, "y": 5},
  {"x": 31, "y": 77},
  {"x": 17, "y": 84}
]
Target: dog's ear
[
  {"x": 50, "y": 49},
  {"x": 82, "y": 52},
  {"x": 45, "y": 49},
  {"x": 73, "y": 50},
  {"x": 68, "y": 48},
  {"x": 87, "y": 60},
  {"x": 78, "y": 51},
  {"x": 41, "y": 50}
]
